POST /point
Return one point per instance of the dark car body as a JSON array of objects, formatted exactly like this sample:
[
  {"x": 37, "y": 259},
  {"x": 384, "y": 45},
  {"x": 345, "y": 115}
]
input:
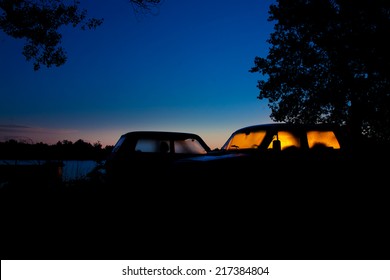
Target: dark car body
[
  {"x": 284, "y": 136},
  {"x": 146, "y": 155},
  {"x": 271, "y": 151}
]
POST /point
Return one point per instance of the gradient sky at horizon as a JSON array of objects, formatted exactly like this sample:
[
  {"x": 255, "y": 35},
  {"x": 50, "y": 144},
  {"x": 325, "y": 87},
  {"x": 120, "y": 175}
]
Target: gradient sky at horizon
[{"x": 183, "y": 68}]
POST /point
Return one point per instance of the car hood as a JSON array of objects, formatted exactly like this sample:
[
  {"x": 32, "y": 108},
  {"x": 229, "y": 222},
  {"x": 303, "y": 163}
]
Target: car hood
[{"x": 211, "y": 158}]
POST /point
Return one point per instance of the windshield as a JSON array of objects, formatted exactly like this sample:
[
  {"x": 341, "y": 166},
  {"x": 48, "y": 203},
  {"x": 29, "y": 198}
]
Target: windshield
[{"x": 249, "y": 140}]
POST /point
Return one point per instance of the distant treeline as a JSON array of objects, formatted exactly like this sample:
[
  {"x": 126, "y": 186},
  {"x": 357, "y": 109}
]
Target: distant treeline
[{"x": 65, "y": 150}]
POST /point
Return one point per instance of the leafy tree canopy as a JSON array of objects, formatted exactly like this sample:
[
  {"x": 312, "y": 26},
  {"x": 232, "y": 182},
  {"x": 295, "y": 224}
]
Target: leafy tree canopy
[
  {"x": 39, "y": 22},
  {"x": 329, "y": 62}
]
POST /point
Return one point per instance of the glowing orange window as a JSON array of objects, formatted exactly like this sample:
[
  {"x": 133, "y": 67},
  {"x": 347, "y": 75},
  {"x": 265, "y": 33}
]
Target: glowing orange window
[
  {"x": 287, "y": 140},
  {"x": 322, "y": 138},
  {"x": 246, "y": 141}
]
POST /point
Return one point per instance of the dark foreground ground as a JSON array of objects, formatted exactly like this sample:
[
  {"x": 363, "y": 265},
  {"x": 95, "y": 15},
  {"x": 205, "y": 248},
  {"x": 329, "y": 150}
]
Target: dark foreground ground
[{"x": 311, "y": 213}]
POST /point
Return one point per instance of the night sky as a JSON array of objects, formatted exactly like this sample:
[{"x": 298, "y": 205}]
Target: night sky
[{"x": 183, "y": 68}]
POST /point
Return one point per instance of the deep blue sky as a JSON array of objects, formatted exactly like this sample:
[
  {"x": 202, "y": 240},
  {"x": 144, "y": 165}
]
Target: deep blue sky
[{"x": 185, "y": 68}]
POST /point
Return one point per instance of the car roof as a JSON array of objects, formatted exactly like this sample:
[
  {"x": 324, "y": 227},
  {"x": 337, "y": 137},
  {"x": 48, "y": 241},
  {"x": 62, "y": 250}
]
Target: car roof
[
  {"x": 161, "y": 134},
  {"x": 287, "y": 126}
]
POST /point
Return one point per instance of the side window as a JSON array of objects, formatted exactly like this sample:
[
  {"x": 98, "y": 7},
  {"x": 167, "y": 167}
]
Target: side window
[
  {"x": 189, "y": 146},
  {"x": 322, "y": 139},
  {"x": 151, "y": 146},
  {"x": 287, "y": 140}
]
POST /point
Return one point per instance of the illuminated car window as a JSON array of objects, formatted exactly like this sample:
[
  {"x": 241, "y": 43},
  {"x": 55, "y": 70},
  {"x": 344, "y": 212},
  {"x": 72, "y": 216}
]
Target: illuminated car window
[
  {"x": 287, "y": 140},
  {"x": 189, "y": 146},
  {"x": 322, "y": 138},
  {"x": 250, "y": 140}
]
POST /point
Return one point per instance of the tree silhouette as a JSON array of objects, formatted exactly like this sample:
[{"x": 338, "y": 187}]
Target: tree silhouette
[
  {"x": 39, "y": 23},
  {"x": 329, "y": 62},
  {"x": 62, "y": 150}
]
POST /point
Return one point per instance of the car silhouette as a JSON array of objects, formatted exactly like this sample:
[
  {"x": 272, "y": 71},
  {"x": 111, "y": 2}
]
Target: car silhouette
[
  {"x": 288, "y": 138},
  {"x": 140, "y": 157},
  {"x": 271, "y": 151}
]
